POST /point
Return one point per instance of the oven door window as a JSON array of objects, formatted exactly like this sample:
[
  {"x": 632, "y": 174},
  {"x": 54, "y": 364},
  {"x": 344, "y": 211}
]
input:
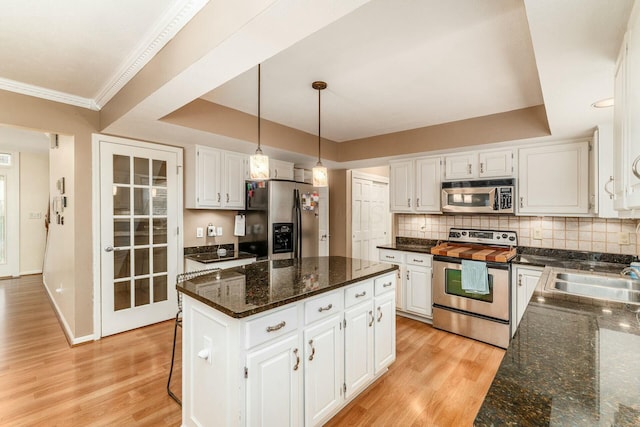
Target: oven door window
[{"x": 453, "y": 286}]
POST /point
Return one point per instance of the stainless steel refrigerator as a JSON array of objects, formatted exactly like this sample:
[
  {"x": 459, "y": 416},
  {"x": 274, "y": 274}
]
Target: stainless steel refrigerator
[{"x": 281, "y": 220}]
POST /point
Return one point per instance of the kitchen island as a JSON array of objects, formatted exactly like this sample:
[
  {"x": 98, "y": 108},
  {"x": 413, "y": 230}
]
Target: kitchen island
[
  {"x": 286, "y": 342},
  {"x": 572, "y": 361}
]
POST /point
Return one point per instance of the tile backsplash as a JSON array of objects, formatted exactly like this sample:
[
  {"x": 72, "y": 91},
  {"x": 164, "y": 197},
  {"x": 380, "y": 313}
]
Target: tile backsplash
[{"x": 584, "y": 234}]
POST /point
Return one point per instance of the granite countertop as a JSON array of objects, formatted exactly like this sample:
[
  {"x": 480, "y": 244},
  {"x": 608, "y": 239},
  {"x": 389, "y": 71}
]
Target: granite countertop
[
  {"x": 575, "y": 260},
  {"x": 569, "y": 363},
  {"x": 422, "y": 246},
  {"x": 264, "y": 285},
  {"x": 213, "y": 257}
]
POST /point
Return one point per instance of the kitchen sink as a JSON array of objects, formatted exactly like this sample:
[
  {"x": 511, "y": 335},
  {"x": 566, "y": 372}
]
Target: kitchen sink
[{"x": 606, "y": 287}]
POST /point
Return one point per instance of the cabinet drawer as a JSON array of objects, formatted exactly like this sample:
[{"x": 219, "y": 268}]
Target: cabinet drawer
[
  {"x": 419, "y": 259},
  {"x": 358, "y": 293},
  {"x": 322, "y": 306},
  {"x": 385, "y": 283},
  {"x": 389, "y": 255},
  {"x": 271, "y": 326}
]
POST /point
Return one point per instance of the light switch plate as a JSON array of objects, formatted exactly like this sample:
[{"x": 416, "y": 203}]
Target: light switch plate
[
  {"x": 219, "y": 231},
  {"x": 199, "y": 232}
]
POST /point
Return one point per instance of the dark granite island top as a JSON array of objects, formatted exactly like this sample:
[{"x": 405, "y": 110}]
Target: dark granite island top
[
  {"x": 264, "y": 285},
  {"x": 570, "y": 363}
]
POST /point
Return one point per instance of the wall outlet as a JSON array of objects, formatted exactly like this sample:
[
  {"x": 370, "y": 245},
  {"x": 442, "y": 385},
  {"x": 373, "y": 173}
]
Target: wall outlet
[
  {"x": 199, "y": 232},
  {"x": 537, "y": 233},
  {"x": 211, "y": 231},
  {"x": 623, "y": 238}
]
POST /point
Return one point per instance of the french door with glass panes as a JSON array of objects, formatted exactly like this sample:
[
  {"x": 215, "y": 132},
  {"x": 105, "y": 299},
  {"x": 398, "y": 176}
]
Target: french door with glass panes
[{"x": 139, "y": 233}]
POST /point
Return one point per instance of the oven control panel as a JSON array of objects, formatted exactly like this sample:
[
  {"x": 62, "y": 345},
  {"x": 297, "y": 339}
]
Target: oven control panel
[{"x": 487, "y": 237}]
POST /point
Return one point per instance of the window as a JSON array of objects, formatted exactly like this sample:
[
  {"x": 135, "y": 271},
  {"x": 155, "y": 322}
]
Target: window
[{"x": 5, "y": 159}]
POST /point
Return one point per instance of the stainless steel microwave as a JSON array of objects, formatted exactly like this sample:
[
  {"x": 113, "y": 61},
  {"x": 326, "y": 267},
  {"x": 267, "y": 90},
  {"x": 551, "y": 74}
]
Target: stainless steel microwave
[{"x": 482, "y": 196}]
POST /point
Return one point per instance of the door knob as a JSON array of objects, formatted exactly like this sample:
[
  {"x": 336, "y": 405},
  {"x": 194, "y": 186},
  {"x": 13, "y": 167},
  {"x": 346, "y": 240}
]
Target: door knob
[{"x": 108, "y": 249}]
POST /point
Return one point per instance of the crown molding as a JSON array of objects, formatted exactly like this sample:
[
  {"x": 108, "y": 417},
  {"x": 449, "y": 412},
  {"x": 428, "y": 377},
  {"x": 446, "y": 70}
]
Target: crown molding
[
  {"x": 50, "y": 94},
  {"x": 162, "y": 32}
]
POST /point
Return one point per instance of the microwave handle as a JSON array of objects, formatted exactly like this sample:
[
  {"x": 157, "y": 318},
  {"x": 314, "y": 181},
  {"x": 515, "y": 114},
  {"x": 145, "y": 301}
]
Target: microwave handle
[{"x": 493, "y": 195}]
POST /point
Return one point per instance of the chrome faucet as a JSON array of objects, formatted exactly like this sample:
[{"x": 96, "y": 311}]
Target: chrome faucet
[{"x": 630, "y": 271}]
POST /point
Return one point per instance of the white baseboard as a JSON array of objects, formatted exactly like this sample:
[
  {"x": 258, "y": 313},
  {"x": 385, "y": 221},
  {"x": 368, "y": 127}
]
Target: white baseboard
[{"x": 65, "y": 326}]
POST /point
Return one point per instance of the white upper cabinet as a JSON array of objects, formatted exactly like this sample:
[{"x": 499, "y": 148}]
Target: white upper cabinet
[
  {"x": 602, "y": 175},
  {"x": 428, "y": 177},
  {"x": 626, "y": 171},
  {"x": 414, "y": 185},
  {"x": 479, "y": 164},
  {"x": 214, "y": 179},
  {"x": 460, "y": 166},
  {"x": 494, "y": 164},
  {"x": 279, "y": 169},
  {"x": 554, "y": 179},
  {"x": 401, "y": 178}
]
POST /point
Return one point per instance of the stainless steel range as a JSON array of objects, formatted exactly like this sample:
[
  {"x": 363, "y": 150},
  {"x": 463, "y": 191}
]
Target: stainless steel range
[{"x": 473, "y": 298}]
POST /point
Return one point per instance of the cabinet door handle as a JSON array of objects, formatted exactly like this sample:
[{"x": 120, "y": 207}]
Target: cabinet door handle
[
  {"x": 418, "y": 260},
  {"x": 522, "y": 202},
  {"x": 227, "y": 197},
  {"x": 386, "y": 285},
  {"x": 313, "y": 350},
  {"x": 481, "y": 167},
  {"x": 372, "y": 318},
  {"x": 399, "y": 275},
  {"x": 327, "y": 308},
  {"x": 361, "y": 295},
  {"x": 218, "y": 197},
  {"x": 409, "y": 202},
  {"x": 407, "y": 275},
  {"x": 417, "y": 202},
  {"x": 276, "y": 327},
  {"x": 379, "y": 314},
  {"x": 295, "y": 351},
  {"x": 519, "y": 279},
  {"x": 606, "y": 190},
  {"x": 469, "y": 168},
  {"x": 275, "y": 173},
  {"x": 634, "y": 167}
]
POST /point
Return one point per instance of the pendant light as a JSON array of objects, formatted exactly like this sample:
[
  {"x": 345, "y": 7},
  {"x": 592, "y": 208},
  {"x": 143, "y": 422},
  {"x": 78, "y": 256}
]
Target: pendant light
[
  {"x": 319, "y": 171},
  {"x": 258, "y": 162}
]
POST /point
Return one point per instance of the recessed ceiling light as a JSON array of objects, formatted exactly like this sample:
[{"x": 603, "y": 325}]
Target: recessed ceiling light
[{"x": 603, "y": 103}]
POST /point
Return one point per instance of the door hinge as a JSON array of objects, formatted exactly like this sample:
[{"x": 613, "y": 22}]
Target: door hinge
[
  {"x": 178, "y": 231},
  {"x": 246, "y": 372}
]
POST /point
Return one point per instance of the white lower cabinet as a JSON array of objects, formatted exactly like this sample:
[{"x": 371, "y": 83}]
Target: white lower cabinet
[
  {"x": 384, "y": 332},
  {"x": 291, "y": 366},
  {"x": 274, "y": 388},
  {"x": 323, "y": 369},
  {"x": 358, "y": 346},
  {"x": 413, "y": 295},
  {"x": 524, "y": 281}
]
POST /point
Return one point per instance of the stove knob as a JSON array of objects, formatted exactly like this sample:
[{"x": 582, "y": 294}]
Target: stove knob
[
  {"x": 458, "y": 234},
  {"x": 464, "y": 233},
  {"x": 512, "y": 238},
  {"x": 497, "y": 237},
  {"x": 504, "y": 236}
]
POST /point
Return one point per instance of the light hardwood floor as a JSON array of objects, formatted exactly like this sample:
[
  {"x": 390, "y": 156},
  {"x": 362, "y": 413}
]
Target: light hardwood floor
[{"x": 438, "y": 379}]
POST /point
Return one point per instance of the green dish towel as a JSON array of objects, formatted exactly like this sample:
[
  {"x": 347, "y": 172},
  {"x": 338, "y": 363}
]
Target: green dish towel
[{"x": 475, "y": 278}]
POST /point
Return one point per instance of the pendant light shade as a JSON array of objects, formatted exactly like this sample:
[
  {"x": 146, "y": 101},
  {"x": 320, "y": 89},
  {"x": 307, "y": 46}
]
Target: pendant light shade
[
  {"x": 258, "y": 162},
  {"x": 320, "y": 176}
]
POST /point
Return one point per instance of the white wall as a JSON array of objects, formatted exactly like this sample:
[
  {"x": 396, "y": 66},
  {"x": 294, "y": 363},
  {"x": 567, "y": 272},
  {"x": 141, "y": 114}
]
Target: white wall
[
  {"x": 34, "y": 192},
  {"x": 60, "y": 262}
]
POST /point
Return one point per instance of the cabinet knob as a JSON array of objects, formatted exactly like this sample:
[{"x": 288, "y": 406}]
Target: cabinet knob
[
  {"x": 522, "y": 202},
  {"x": 469, "y": 168},
  {"x": 227, "y": 197},
  {"x": 481, "y": 167},
  {"x": 409, "y": 203},
  {"x": 204, "y": 354},
  {"x": 218, "y": 197},
  {"x": 519, "y": 279}
]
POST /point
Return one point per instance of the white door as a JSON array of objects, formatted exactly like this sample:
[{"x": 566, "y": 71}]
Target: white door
[
  {"x": 401, "y": 179},
  {"x": 495, "y": 163},
  {"x": 428, "y": 181},
  {"x": 360, "y": 224},
  {"x": 139, "y": 227},
  {"x": 379, "y": 218},
  {"x": 461, "y": 166},
  {"x": 9, "y": 214},
  {"x": 418, "y": 297}
]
